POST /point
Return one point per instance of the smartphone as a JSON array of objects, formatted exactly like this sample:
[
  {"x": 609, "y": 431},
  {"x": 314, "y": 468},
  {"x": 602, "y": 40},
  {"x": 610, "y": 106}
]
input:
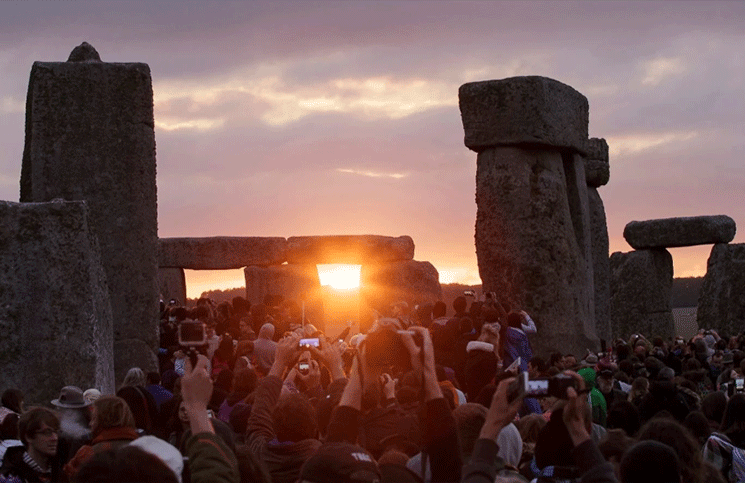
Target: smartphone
[
  {"x": 739, "y": 385},
  {"x": 514, "y": 365},
  {"x": 303, "y": 368},
  {"x": 537, "y": 388},
  {"x": 517, "y": 387},
  {"x": 309, "y": 342}
]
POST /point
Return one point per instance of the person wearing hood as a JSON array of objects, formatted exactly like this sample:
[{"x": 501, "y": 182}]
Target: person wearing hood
[{"x": 597, "y": 401}]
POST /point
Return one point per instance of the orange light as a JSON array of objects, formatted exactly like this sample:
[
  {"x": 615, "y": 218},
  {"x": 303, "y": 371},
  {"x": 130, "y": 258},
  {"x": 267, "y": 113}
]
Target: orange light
[{"x": 340, "y": 276}]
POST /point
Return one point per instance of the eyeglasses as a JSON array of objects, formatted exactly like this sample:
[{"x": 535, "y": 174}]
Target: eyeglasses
[{"x": 47, "y": 432}]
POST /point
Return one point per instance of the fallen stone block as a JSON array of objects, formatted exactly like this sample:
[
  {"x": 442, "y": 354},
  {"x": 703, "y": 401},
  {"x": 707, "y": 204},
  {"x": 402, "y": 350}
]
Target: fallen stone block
[
  {"x": 530, "y": 110},
  {"x": 350, "y": 249},
  {"x": 680, "y": 232},
  {"x": 221, "y": 252}
]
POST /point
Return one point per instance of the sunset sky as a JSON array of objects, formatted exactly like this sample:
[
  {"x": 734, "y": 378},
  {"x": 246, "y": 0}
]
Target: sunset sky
[{"x": 314, "y": 118}]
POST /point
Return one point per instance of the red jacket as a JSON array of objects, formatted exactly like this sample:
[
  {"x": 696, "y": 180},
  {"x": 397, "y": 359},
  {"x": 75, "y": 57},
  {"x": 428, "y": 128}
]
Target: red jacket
[{"x": 107, "y": 439}]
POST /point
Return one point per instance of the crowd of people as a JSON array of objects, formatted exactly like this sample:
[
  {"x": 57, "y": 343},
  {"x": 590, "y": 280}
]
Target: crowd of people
[{"x": 264, "y": 396}]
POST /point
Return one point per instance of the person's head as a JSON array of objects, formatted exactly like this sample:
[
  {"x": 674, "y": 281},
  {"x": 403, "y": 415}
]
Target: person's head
[
  {"x": 38, "y": 428},
  {"x": 294, "y": 419},
  {"x": 135, "y": 377},
  {"x": 569, "y": 361},
  {"x": 716, "y": 360},
  {"x": 128, "y": 463},
  {"x": 625, "y": 416},
  {"x": 111, "y": 412},
  {"x": 469, "y": 418},
  {"x": 530, "y": 427},
  {"x": 514, "y": 319},
  {"x": 244, "y": 381},
  {"x": 153, "y": 378},
  {"x": 13, "y": 400},
  {"x": 733, "y": 421},
  {"x": 651, "y": 462},
  {"x": 459, "y": 304},
  {"x": 340, "y": 462},
  {"x": 536, "y": 367},
  {"x": 267, "y": 331},
  {"x": 713, "y": 406},
  {"x": 439, "y": 309},
  {"x": 673, "y": 434},
  {"x": 613, "y": 446},
  {"x": 605, "y": 381},
  {"x": 698, "y": 425}
]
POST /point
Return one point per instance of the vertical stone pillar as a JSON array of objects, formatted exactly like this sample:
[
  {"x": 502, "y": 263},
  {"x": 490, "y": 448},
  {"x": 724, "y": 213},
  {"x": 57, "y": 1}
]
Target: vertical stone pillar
[
  {"x": 172, "y": 283},
  {"x": 532, "y": 224},
  {"x": 721, "y": 305},
  {"x": 55, "y": 313},
  {"x": 89, "y": 136},
  {"x": 298, "y": 282},
  {"x": 410, "y": 281},
  {"x": 597, "y": 171},
  {"x": 641, "y": 284}
]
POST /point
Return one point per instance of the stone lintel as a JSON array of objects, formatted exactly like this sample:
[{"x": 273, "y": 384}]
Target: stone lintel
[
  {"x": 353, "y": 249},
  {"x": 680, "y": 232},
  {"x": 528, "y": 110},
  {"x": 221, "y": 252}
]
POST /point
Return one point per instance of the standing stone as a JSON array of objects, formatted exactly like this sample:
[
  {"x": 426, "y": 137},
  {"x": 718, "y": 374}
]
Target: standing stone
[
  {"x": 721, "y": 305},
  {"x": 680, "y": 232},
  {"x": 641, "y": 285},
  {"x": 89, "y": 136},
  {"x": 293, "y": 282},
  {"x": 55, "y": 314},
  {"x": 601, "y": 264},
  {"x": 597, "y": 165},
  {"x": 597, "y": 173},
  {"x": 351, "y": 249},
  {"x": 532, "y": 224},
  {"x": 383, "y": 284},
  {"x": 172, "y": 283}
]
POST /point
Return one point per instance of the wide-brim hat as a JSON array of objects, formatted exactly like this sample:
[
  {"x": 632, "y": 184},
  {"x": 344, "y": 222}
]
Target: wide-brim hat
[{"x": 71, "y": 397}]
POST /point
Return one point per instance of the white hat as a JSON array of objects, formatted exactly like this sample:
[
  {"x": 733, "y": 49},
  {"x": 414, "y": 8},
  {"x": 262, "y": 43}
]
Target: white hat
[{"x": 166, "y": 452}]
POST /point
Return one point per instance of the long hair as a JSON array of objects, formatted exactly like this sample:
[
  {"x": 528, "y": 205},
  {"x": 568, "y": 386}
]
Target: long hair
[
  {"x": 672, "y": 433},
  {"x": 112, "y": 412},
  {"x": 733, "y": 421},
  {"x": 135, "y": 377}
]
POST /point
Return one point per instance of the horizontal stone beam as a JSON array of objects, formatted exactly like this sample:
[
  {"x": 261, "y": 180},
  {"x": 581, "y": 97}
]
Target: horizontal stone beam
[
  {"x": 680, "y": 232},
  {"x": 221, "y": 253},
  {"x": 523, "y": 110},
  {"x": 355, "y": 249}
]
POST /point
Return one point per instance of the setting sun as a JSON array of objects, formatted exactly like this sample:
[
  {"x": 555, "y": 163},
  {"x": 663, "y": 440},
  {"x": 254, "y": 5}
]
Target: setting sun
[{"x": 339, "y": 276}]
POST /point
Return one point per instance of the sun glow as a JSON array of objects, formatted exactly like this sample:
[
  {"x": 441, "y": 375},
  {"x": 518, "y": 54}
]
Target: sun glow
[{"x": 340, "y": 276}]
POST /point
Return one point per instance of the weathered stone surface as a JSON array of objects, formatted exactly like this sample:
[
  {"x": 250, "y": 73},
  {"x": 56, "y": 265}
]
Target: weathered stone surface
[
  {"x": 84, "y": 52},
  {"x": 641, "y": 284},
  {"x": 523, "y": 110},
  {"x": 89, "y": 136},
  {"x": 680, "y": 232},
  {"x": 721, "y": 305},
  {"x": 130, "y": 353},
  {"x": 414, "y": 282},
  {"x": 533, "y": 243},
  {"x": 172, "y": 283},
  {"x": 601, "y": 264},
  {"x": 221, "y": 252},
  {"x": 294, "y": 282},
  {"x": 597, "y": 165},
  {"x": 355, "y": 249},
  {"x": 55, "y": 314}
]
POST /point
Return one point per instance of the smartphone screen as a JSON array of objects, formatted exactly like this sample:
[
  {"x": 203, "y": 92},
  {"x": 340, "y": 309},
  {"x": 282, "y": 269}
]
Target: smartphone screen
[{"x": 309, "y": 342}]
